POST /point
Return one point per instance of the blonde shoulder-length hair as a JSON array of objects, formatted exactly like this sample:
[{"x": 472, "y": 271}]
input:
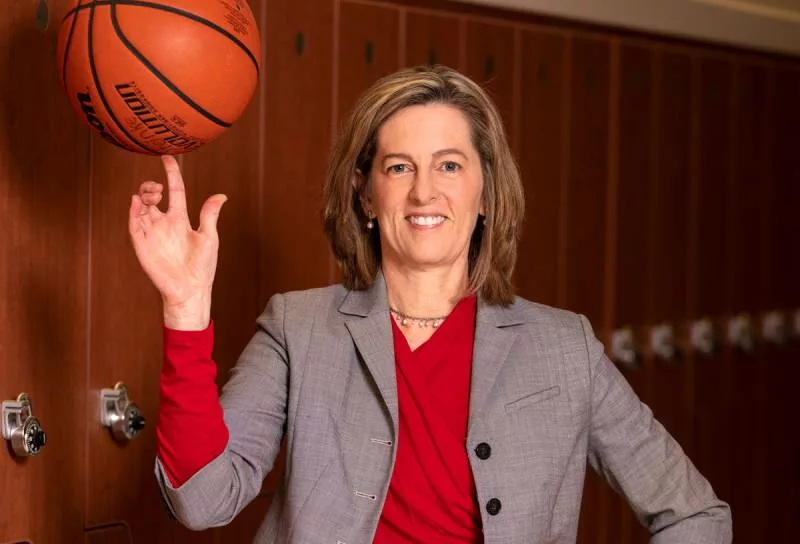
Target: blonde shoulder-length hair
[{"x": 493, "y": 247}]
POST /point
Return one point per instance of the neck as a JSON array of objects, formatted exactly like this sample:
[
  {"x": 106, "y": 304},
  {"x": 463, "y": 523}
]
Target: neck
[{"x": 425, "y": 293}]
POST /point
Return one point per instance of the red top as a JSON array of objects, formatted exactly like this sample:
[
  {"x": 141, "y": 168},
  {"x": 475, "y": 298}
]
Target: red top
[
  {"x": 190, "y": 432},
  {"x": 432, "y": 493}
]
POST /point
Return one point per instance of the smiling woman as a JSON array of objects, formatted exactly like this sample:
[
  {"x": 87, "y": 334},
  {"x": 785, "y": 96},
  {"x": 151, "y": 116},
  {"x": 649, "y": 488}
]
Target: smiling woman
[{"x": 422, "y": 400}]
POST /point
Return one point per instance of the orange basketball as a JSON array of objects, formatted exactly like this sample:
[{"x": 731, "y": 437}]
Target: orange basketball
[{"x": 159, "y": 76}]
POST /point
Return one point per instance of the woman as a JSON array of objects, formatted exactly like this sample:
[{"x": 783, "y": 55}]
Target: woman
[{"x": 421, "y": 401}]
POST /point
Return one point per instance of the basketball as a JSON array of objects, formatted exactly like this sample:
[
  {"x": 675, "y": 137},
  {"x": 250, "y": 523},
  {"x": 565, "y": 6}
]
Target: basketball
[{"x": 161, "y": 76}]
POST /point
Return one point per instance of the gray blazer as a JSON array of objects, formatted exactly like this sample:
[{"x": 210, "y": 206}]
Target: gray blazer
[{"x": 320, "y": 371}]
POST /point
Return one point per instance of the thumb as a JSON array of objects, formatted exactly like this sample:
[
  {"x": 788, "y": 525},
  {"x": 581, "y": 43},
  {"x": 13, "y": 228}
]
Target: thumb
[{"x": 209, "y": 214}]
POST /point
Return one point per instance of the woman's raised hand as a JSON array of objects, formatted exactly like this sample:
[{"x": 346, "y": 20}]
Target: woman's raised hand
[{"x": 180, "y": 261}]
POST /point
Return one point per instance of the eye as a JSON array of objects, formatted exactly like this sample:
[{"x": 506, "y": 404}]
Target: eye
[
  {"x": 397, "y": 169},
  {"x": 450, "y": 166}
]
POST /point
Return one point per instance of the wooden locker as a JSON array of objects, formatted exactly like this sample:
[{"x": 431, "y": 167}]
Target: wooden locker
[
  {"x": 791, "y": 356},
  {"x": 368, "y": 48},
  {"x": 296, "y": 125},
  {"x": 433, "y": 38},
  {"x": 668, "y": 260},
  {"x": 587, "y": 182},
  {"x": 782, "y": 292},
  {"x": 542, "y": 161},
  {"x": 490, "y": 62},
  {"x": 126, "y": 324},
  {"x": 632, "y": 232},
  {"x": 43, "y": 282},
  {"x": 585, "y": 224},
  {"x": 744, "y": 285},
  {"x": 712, "y": 376}
]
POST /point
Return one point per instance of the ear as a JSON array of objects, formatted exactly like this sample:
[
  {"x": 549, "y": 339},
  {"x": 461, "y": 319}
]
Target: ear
[{"x": 361, "y": 188}]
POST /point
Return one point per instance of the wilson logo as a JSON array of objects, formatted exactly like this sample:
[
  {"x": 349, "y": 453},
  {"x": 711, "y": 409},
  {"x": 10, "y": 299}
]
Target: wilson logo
[{"x": 85, "y": 100}]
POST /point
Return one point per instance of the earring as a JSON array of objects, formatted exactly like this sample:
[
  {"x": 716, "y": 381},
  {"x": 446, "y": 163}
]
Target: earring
[{"x": 370, "y": 224}]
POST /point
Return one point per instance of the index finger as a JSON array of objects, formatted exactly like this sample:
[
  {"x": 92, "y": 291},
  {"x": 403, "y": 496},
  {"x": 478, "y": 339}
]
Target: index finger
[{"x": 177, "y": 190}]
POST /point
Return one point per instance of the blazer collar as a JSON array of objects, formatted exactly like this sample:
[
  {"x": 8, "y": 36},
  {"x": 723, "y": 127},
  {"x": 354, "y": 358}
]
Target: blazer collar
[
  {"x": 368, "y": 322},
  {"x": 369, "y": 325}
]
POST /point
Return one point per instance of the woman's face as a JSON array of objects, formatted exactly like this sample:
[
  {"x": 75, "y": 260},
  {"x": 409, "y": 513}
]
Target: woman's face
[{"x": 425, "y": 188}]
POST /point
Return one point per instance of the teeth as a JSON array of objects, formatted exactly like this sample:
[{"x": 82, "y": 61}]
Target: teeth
[{"x": 427, "y": 221}]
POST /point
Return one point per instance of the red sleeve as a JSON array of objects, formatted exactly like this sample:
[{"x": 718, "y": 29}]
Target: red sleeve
[{"x": 191, "y": 431}]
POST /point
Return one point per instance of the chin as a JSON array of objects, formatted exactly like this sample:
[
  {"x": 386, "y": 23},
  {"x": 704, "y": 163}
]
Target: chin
[{"x": 427, "y": 260}]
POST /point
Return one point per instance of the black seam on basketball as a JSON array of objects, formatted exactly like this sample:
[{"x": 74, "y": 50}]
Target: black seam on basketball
[
  {"x": 66, "y": 48},
  {"x": 175, "y": 11},
  {"x": 100, "y": 90},
  {"x": 147, "y": 64}
]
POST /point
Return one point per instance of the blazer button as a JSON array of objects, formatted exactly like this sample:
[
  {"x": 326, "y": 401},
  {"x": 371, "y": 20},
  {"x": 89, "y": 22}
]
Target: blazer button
[
  {"x": 483, "y": 450},
  {"x": 493, "y": 506}
]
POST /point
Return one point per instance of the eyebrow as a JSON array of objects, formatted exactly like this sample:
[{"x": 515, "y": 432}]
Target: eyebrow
[{"x": 441, "y": 152}]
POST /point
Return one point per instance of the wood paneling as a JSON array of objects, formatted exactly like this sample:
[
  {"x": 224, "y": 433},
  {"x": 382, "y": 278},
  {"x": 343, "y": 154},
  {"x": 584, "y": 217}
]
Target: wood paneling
[
  {"x": 490, "y": 62},
  {"x": 782, "y": 292},
  {"x": 586, "y": 201},
  {"x": 587, "y": 181},
  {"x": 43, "y": 279},
  {"x": 669, "y": 393},
  {"x": 542, "y": 160},
  {"x": 669, "y": 201},
  {"x": 125, "y": 345},
  {"x": 745, "y": 217},
  {"x": 633, "y": 231},
  {"x": 634, "y": 217},
  {"x": 433, "y": 38},
  {"x": 368, "y": 49},
  {"x": 297, "y": 87},
  {"x": 713, "y": 426},
  {"x": 113, "y": 534}
]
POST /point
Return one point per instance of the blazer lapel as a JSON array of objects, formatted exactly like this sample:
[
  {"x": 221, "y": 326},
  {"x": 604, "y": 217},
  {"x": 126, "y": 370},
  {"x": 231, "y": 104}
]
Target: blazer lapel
[
  {"x": 369, "y": 325},
  {"x": 494, "y": 337}
]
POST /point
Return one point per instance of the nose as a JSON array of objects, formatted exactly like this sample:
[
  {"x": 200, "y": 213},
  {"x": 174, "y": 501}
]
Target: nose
[{"x": 422, "y": 188}]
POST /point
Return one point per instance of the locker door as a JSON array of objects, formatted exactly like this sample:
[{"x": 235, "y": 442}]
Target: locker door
[
  {"x": 125, "y": 345},
  {"x": 368, "y": 49},
  {"x": 587, "y": 181},
  {"x": 713, "y": 425},
  {"x": 586, "y": 203},
  {"x": 790, "y": 357},
  {"x": 670, "y": 394},
  {"x": 43, "y": 282},
  {"x": 490, "y": 62},
  {"x": 433, "y": 38},
  {"x": 782, "y": 292},
  {"x": 633, "y": 233},
  {"x": 296, "y": 136},
  {"x": 127, "y": 323},
  {"x": 744, "y": 231},
  {"x": 542, "y": 157}
]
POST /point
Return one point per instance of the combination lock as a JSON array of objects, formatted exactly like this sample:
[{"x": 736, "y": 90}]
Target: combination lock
[
  {"x": 119, "y": 414},
  {"x": 22, "y": 428}
]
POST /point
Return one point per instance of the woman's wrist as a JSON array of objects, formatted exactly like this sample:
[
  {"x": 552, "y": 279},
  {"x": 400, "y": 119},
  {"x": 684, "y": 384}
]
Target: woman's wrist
[{"x": 193, "y": 314}]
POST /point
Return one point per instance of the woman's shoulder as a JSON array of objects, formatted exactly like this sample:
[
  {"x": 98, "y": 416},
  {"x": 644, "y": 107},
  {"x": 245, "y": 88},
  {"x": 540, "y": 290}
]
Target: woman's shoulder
[
  {"x": 539, "y": 315},
  {"x": 309, "y": 301}
]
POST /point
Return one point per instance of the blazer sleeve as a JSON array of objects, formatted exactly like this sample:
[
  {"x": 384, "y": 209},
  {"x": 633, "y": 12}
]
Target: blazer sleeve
[
  {"x": 254, "y": 406},
  {"x": 643, "y": 462}
]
